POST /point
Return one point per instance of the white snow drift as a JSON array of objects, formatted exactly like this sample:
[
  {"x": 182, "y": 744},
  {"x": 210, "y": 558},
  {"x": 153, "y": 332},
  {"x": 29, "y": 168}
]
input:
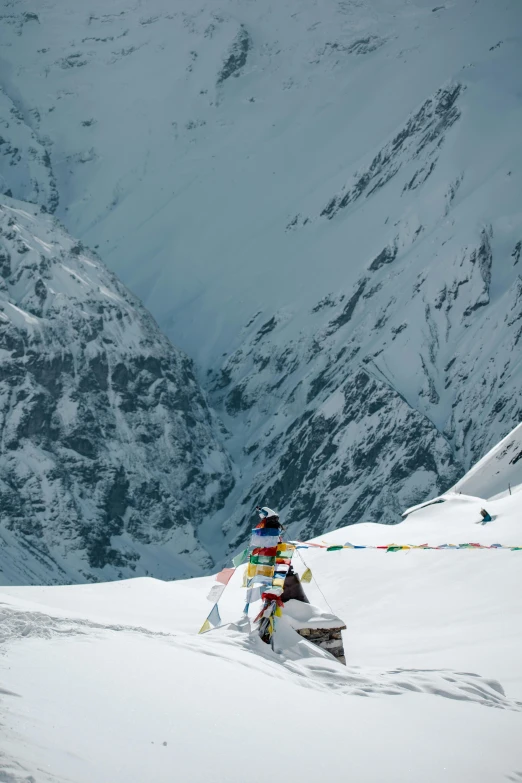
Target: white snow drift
[{"x": 111, "y": 683}]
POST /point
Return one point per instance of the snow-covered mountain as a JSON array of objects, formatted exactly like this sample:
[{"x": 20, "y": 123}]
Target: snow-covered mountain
[
  {"x": 109, "y": 454},
  {"x": 498, "y": 472},
  {"x": 318, "y": 201}
]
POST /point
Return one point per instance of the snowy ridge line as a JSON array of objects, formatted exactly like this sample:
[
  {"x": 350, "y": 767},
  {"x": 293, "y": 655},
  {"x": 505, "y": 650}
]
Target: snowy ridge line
[{"x": 496, "y": 450}]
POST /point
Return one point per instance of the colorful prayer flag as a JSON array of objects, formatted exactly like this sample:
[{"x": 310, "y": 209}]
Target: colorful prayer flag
[
  {"x": 254, "y": 593},
  {"x": 268, "y": 551},
  {"x": 262, "y": 560},
  {"x": 266, "y": 532},
  {"x": 215, "y": 593},
  {"x": 259, "y": 570},
  {"x": 212, "y": 620},
  {"x": 260, "y": 580},
  {"x": 307, "y": 576},
  {"x": 241, "y": 558},
  {"x": 264, "y": 541},
  {"x": 225, "y": 575}
]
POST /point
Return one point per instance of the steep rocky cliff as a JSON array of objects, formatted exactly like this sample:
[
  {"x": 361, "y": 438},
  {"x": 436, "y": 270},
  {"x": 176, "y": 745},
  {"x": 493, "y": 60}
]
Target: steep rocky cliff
[{"x": 109, "y": 454}]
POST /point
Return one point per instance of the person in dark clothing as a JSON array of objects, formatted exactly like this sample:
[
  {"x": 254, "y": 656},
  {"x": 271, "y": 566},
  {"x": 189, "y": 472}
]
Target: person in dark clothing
[{"x": 485, "y": 516}]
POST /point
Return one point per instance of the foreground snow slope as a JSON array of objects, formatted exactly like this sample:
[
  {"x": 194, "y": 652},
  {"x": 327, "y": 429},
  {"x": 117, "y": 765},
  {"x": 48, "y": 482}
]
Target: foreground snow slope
[
  {"x": 320, "y": 202},
  {"x": 110, "y": 683}
]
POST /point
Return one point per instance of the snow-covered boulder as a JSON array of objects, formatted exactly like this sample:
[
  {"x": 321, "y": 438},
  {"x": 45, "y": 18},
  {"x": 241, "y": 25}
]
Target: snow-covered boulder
[{"x": 316, "y": 626}]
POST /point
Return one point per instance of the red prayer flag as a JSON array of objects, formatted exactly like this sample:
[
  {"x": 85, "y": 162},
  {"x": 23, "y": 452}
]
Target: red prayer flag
[
  {"x": 272, "y": 597},
  {"x": 225, "y": 575}
]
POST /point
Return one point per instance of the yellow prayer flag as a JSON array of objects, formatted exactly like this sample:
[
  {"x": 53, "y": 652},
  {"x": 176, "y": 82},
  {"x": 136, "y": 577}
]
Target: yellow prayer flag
[
  {"x": 259, "y": 570},
  {"x": 307, "y": 576},
  {"x": 278, "y": 582},
  {"x": 245, "y": 578},
  {"x": 278, "y": 611},
  {"x": 205, "y": 627}
]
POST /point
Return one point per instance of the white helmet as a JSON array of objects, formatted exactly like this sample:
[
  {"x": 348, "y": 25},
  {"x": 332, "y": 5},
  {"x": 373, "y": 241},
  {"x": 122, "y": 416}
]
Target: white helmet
[{"x": 266, "y": 512}]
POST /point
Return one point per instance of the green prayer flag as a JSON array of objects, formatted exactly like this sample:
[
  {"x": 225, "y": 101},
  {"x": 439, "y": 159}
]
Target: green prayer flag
[
  {"x": 262, "y": 560},
  {"x": 333, "y": 548},
  {"x": 241, "y": 558}
]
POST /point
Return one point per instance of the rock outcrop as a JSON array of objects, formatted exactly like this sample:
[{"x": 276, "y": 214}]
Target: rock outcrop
[{"x": 109, "y": 454}]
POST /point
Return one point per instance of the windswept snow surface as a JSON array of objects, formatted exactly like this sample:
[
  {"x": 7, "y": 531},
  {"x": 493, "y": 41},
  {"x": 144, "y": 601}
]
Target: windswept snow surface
[{"x": 110, "y": 683}]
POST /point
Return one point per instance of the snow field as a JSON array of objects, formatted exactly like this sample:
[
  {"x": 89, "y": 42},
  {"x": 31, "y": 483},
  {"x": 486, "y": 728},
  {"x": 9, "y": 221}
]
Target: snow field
[{"x": 432, "y": 691}]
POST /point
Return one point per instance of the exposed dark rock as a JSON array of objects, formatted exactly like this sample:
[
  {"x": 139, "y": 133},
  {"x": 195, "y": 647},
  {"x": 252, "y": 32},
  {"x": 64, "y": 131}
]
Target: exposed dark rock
[
  {"x": 386, "y": 256},
  {"x": 425, "y": 129},
  {"x": 268, "y": 327},
  {"x": 329, "y": 639},
  {"x": 349, "y": 307},
  {"x": 237, "y": 56}
]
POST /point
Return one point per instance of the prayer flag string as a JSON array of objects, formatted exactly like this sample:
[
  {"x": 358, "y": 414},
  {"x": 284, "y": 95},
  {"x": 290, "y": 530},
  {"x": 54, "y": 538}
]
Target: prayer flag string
[{"x": 401, "y": 547}]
